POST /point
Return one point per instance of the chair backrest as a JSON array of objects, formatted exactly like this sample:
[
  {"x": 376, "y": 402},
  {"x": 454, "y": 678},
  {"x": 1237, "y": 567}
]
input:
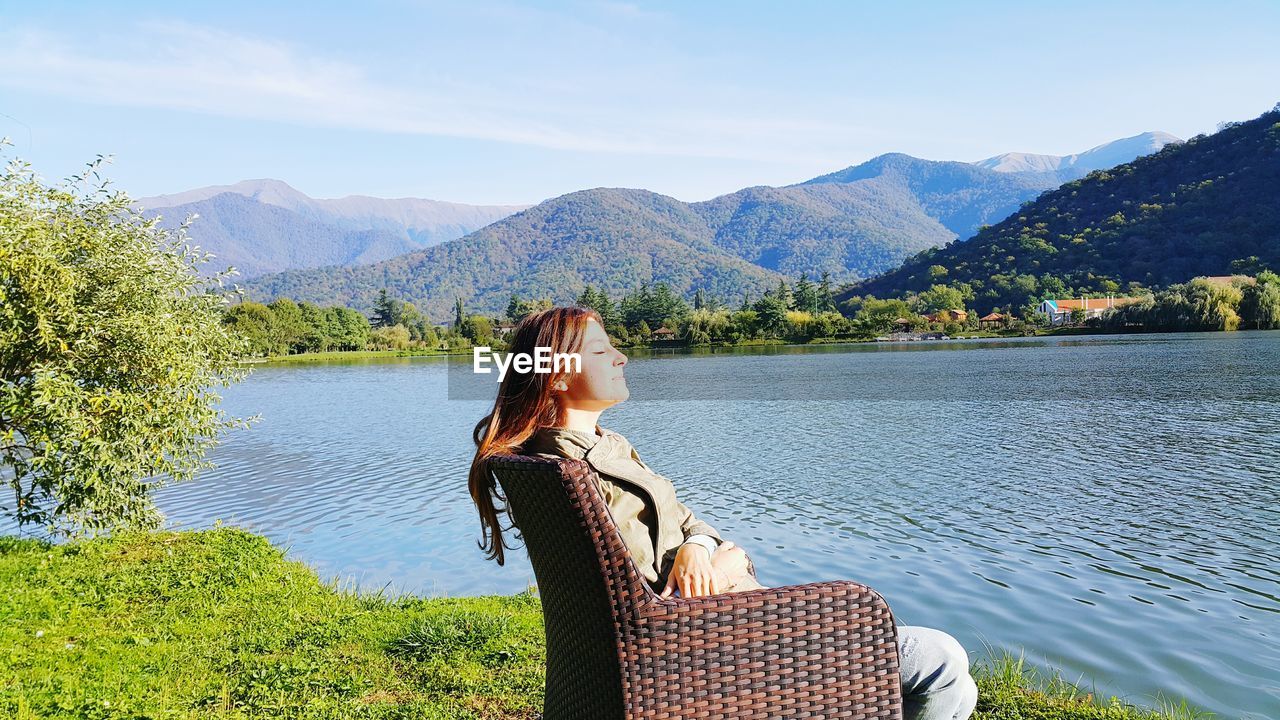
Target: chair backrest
[{"x": 588, "y": 583}]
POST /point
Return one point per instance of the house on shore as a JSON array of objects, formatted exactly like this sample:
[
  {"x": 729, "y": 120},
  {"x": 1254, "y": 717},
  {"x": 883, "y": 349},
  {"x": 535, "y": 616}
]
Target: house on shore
[
  {"x": 992, "y": 320},
  {"x": 947, "y": 316},
  {"x": 1059, "y": 311}
]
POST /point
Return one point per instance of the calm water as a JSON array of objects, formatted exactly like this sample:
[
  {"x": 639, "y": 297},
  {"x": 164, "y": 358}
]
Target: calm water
[{"x": 1108, "y": 504}]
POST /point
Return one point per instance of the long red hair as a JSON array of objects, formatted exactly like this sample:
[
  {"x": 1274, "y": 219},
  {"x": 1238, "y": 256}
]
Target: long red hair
[{"x": 524, "y": 404}]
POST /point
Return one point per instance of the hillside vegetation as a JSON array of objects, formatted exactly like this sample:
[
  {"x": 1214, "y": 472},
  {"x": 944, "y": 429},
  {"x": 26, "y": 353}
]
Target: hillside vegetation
[{"x": 1204, "y": 207}]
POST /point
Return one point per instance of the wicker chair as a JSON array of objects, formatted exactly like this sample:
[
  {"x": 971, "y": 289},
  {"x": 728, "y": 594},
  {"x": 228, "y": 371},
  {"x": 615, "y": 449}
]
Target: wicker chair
[{"x": 616, "y": 650}]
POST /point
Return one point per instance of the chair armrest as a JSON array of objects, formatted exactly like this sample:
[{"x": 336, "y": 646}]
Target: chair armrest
[{"x": 826, "y": 649}]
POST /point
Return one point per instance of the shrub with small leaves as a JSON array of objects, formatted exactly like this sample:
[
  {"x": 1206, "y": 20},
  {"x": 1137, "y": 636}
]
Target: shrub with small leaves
[{"x": 111, "y": 347}]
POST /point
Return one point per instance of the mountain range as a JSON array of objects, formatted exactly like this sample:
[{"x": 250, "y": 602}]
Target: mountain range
[
  {"x": 266, "y": 226},
  {"x": 852, "y": 224}
]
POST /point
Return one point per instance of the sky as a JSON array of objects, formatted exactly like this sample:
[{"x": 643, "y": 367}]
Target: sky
[{"x": 496, "y": 103}]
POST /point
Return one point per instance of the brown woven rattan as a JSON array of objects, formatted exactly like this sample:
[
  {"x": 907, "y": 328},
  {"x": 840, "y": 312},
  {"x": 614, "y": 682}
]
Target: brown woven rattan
[{"x": 616, "y": 650}]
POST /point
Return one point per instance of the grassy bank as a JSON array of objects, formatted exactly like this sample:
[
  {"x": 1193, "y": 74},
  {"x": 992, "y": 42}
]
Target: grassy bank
[
  {"x": 217, "y": 624},
  {"x": 345, "y": 355}
]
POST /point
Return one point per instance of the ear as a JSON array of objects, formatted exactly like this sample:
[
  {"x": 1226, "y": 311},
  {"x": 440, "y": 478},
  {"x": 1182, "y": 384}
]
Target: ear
[{"x": 560, "y": 385}]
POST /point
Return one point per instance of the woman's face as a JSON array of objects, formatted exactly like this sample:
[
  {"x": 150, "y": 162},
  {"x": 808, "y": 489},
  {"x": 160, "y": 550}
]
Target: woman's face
[{"x": 600, "y": 384}]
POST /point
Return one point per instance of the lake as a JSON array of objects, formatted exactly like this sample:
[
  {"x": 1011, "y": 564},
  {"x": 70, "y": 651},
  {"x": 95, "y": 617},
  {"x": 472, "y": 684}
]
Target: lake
[{"x": 1106, "y": 504}]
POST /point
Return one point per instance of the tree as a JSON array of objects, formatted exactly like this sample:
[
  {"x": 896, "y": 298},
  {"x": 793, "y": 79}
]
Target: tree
[
  {"x": 112, "y": 348},
  {"x": 290, "y": 326},
  {"x": 826, "y": 300},
  {"x": 703, "y": 325},
  {"x": 315, "y": 336},
  {"x": 1260, "y": 303},
  {"x": 395, "y": 337},
  {"x": 383, "y": 310},
  {"x": 256, "y": 324},
  {"x": 783, "y": 294},
  {"x": 517, "y": 309},
  {"x": 667, "y": 307},
  {"x": 457, "y": 314},
  {"x": 806, "y": 295},
  {"x": 771, "y": 314},
  {"x": 599, "y": 301},
  {"x": 406, "y": 314},
  {"x": 1247, "y": 266},
  {"x": 477, "y": 329},
  {"x": 348, "y": 329},
  {"x": 940, "y": 297}
]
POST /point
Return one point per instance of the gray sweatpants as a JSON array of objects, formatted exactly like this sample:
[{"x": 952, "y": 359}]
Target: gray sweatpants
[{"x": 934, "y": 669}]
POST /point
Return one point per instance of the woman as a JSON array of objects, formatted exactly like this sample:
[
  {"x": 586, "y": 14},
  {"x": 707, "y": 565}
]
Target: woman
[{"x": 556, "y": 414}]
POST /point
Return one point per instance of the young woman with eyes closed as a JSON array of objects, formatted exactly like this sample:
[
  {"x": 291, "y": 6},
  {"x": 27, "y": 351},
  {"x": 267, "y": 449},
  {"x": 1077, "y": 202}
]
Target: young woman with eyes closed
[{"x": 557, "y": 415}]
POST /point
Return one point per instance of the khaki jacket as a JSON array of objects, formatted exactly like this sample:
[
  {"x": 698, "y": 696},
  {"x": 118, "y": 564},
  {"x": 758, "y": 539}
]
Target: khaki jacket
[{"x": 652, "y": 522}]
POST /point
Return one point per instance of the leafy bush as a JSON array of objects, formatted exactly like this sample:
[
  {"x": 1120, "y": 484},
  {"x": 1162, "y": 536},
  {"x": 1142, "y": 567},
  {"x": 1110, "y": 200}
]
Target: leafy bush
[{"x": 111, "y": 347}]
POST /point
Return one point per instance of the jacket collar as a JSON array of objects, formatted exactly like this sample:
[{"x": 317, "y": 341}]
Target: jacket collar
[
  {"x": 608, "y": 452},
  {"x": 563, "y": 441}
]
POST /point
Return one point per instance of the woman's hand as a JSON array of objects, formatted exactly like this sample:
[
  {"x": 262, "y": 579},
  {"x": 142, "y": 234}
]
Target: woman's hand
[
  {"x": 730, "y": 559},
  {"x": 694, "y": 573}
]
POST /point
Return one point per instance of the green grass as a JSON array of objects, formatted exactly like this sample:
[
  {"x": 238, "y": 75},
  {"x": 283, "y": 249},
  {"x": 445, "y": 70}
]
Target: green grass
[
  {"x": 1010, "y": 689},
  {"x": 217, "y": 624}
]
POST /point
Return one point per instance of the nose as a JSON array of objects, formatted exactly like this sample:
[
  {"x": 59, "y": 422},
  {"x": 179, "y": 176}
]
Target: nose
[{"x": 622, "y": 359}]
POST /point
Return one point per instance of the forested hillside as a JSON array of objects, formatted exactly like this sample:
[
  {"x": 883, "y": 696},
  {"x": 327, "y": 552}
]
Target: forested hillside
[
  {"x": 1204, "y": 207},
  {"x": 611, "y": 238}
]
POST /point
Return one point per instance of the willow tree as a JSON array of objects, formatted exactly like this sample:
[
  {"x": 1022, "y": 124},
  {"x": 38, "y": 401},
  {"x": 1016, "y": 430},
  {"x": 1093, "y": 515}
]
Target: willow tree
[
  {"x": 1260, "y": 304},
  {"x": 112, "y": 348}
]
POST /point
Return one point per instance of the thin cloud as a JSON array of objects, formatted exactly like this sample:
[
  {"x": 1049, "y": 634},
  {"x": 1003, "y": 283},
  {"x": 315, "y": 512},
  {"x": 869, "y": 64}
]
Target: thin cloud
[{"x": 199, "y": 69}]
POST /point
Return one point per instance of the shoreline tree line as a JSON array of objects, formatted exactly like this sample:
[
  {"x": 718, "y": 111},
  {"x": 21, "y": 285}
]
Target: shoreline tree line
[
  {"x": 803, "y": 311},
  {"x": 798, "y": 312}
]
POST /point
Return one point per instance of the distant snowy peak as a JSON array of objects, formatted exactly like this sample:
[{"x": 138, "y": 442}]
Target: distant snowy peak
[{"x": 1098, "y": 158}]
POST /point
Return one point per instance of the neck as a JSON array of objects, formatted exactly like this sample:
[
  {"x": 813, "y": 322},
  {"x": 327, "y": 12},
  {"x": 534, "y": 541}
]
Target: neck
[{"x": 582, "y": 420}]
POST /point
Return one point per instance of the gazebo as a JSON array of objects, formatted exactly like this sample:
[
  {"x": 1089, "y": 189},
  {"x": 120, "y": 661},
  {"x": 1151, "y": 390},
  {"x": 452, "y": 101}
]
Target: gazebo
[{"x": 994, "y": 319}]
